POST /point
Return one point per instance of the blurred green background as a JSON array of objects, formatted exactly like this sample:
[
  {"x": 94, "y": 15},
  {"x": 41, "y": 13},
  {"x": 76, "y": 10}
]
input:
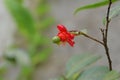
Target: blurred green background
[
  {"x": 31, "y": 47},
  {"x": 27, "y": 27}
]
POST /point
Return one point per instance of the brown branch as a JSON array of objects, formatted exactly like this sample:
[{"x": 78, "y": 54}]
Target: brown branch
[
  {"x": 105, "y": 35},
  {"x": 75, "y": 32},
  {"x": 92, "y": 38}
]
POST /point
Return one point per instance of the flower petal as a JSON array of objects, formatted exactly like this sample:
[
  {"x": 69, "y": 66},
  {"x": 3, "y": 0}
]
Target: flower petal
[
  {"x": 61, "y": 28},
  {"x": 71, "y": 42},
  {"x": 71, "y": 36}
]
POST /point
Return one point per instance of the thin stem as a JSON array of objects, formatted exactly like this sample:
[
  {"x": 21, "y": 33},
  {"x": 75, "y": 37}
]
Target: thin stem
[
  {"x": 108, "y": 57},
  {"x": 105, "y": 36},
  {"x": 103, "y": 32},
  {"x": 92, "y": 38},
  {"x": 107, "y": 19},
  {"x": 75, "y": 32}
]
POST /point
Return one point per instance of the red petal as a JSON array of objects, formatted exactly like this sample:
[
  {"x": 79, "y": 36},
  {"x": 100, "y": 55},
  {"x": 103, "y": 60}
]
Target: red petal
[
  {"x": 61, "y": 28},
  {"x": 71, "y": 42},
  {"x": 62, "y": 36},
  {"x": 70, "y": 36}
]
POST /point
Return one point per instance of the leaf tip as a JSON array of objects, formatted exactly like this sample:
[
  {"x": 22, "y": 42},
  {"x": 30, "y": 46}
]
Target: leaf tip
[{"x": 75, "y": 12}]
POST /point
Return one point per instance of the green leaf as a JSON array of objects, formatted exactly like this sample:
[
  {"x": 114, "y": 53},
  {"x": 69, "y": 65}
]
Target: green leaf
[
  {"x": 95, "y": 5},
  {"x": 94, "y": 73},
  {"x": 112, "y": 75},
  {"x": 114, "y": 12},
  {"x": 79, "y": 62},
  {"x": 22, "y": 17}
]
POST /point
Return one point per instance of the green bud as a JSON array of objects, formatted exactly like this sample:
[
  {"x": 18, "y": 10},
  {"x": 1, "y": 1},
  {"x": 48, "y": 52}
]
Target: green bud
[{"x": 56, "y": 39}]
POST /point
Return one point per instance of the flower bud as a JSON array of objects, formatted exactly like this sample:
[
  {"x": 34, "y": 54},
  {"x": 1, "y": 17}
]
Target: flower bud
[{"x": 56, "y": 39}]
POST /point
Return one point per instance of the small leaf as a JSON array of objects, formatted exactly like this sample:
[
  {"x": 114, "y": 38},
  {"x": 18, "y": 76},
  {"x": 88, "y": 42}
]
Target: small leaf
[
  {"x": 94, "y": 73},
  {"x": 95, "y": 5},
  {"x": 79, "y": 62},
  {"x": 113, "y": 75},
  {"x": 114, "y": 12}
]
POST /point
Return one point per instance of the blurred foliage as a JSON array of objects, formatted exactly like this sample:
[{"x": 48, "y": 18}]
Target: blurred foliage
[
  {"x": 78, "y": 68},
  {"x": 22, "y": 17},
  {"x": 74, "y": 64},
  {"x": 31, "y": 46}
]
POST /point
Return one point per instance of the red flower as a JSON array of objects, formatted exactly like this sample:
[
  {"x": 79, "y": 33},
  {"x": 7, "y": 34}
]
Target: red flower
[{"x": 64, "y": 36}]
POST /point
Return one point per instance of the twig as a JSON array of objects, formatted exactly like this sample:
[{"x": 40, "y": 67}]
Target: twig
[
  {"x": 92, "y": 38},
  {"x": 102, "y": 31},
  {"x": 75, "y": 32},
  {"x": 105, "y": 35}
]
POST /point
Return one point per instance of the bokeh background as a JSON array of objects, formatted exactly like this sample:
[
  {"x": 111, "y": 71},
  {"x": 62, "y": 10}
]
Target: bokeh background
[{"x": 29, "y": 54}]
